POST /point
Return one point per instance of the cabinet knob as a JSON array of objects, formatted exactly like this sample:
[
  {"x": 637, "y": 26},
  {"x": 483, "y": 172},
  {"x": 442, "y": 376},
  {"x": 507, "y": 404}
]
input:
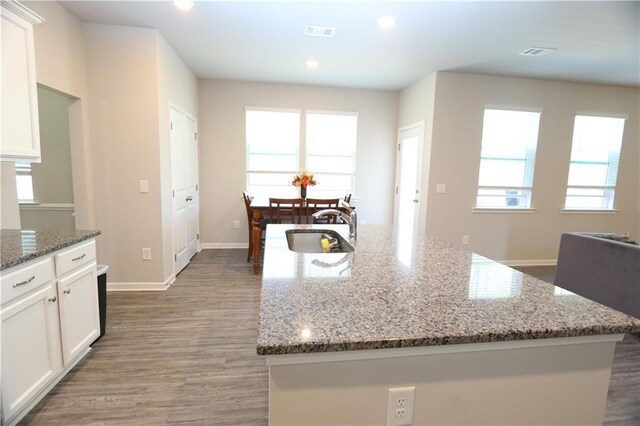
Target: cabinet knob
[
  {"x": 67, "y": 291},
  {"x": 53, "y": 299}
]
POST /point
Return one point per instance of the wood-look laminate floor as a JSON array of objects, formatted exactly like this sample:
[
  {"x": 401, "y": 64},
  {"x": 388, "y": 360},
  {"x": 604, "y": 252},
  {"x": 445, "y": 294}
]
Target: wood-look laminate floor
[{"x": 187, "y": 356}]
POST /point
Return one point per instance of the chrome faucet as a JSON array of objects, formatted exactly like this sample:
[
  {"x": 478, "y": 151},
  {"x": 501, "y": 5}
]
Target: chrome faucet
[{"x": 350, "y": 219}]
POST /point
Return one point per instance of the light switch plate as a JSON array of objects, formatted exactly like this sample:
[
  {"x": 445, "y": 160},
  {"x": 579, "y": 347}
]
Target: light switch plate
[
  {"x": 441, "y": 188},
  {"x": 144, "y": 185}
]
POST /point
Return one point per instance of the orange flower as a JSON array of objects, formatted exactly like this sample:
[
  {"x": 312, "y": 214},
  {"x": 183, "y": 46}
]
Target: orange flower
[{"x": 304, "y": 179}]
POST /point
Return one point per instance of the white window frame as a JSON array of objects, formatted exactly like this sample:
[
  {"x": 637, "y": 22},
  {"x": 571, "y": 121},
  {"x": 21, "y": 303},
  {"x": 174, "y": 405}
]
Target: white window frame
[
  {"x": 301, "y": 152},
  {"x": 298, "y": 146},
  {"x": 25, "y": 169},
  {"x": 355, "y": 148},
  {"x": 530, "y": 159},
  {"x": 609, "y": 189}
]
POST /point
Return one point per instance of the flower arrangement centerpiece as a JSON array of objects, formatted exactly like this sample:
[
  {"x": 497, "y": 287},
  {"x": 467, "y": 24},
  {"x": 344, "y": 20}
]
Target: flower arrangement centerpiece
[{"x": 303, "y": 179}]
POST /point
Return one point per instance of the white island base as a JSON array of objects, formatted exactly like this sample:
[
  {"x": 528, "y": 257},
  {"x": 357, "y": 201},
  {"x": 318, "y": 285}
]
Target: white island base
[{"x": 547, "y": 381}]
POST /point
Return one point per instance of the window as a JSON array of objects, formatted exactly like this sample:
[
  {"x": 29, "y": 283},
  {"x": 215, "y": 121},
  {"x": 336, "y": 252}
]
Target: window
[
  {"x": 331, "y": 152},
  {"x": 507, "y": 159},
  {"x": 593, "y": 169},
  {"x": 491, "y": 280},
  {"x": 275, "y": 151},
  {"x": 273, "y": 140},
  {"x": 24, "y": 182}
]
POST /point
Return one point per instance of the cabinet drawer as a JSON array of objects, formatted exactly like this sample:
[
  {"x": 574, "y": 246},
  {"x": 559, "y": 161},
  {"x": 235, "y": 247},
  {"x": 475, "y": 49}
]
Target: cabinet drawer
[
  {"x": 24, "y": 280},
  {"x": 75, "y": 257}
]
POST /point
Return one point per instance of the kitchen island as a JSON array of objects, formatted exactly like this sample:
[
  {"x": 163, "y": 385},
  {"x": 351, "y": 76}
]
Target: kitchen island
[{"x": 480, "y": 342}]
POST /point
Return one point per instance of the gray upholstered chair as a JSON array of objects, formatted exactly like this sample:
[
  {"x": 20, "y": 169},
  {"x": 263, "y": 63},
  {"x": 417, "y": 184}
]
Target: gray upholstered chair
[{"x": 602, "y": 269}]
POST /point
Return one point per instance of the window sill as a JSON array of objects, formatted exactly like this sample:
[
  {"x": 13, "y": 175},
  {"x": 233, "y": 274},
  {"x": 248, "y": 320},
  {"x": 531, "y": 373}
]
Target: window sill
[
  {"x": 500, "y": 211},
  {"x": 47, "y": 206},
  {"x": 588, "y": 211}
]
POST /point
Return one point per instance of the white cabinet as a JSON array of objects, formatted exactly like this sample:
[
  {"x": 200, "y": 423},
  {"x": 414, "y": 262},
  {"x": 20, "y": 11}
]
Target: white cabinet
[
  {"x": 49, "y": 315},
  {"x": 20, "y": 126},
  {"x": 31, "y": 355},
  {"x": 79, "y": 312}
]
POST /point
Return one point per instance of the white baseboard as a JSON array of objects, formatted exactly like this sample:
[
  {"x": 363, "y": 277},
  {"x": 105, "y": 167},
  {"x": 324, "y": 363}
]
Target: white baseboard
[
  {"x": 536, "y": 262},
  {"x": 225, "y": 245},
  {"x": 141, "y": 286}
]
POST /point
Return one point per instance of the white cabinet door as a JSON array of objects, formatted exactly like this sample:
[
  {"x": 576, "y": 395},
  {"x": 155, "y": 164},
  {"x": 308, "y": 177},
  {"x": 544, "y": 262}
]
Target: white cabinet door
[
  {"x": 30, "y": 347},
  {"x": 20, "y": 126},
  {"x": 79, "y": 312}
]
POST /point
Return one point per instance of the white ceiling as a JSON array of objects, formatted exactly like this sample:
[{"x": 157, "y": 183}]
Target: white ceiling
[{"x": 596, "y": 42}]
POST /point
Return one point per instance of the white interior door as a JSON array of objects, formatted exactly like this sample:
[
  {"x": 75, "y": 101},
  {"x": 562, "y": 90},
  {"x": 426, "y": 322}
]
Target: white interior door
[
  {"x": 409, "y": 178},
  {"x": 184, "y": 163}
]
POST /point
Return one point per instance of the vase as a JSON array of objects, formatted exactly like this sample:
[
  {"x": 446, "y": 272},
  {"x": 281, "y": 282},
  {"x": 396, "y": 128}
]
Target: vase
[{"x": 303, "y": 192}]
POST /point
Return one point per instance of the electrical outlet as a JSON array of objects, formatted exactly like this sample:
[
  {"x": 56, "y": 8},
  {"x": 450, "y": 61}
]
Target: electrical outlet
[
  {"x": 236, "y": 224},
  {"x": 441, "y": 188},
  {"x": 400, "y": 404},
  {"x": 146, "y": 254},
  {"x": 144, "y": 185},
  {"x": 465, "y": 239}
]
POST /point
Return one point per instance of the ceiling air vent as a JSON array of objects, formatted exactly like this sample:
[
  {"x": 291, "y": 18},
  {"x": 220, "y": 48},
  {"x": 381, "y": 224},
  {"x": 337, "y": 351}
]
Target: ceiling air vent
[
  {"x": 319, "y": 31},
  {"x": 537, "y": 51}
]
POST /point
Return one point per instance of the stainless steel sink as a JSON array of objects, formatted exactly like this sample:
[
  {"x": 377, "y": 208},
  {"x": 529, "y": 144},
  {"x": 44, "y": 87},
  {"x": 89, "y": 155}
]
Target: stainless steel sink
[{"x": 308, "y": 241}]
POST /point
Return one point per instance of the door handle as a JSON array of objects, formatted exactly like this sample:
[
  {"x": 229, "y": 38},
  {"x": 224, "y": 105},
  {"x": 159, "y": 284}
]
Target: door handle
[
  {"x": 53, "y": 299},
  {"x": 189, "y": 198},
  {"x": 67, "y": 291}
]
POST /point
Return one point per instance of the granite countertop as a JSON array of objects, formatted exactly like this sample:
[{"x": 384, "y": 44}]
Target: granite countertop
[
  {"x": 18, "y": 246},
  {"x": 399, "y": 290}
]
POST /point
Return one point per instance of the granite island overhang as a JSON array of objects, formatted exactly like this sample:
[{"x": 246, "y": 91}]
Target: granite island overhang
[{"x": 479, "y": 341}]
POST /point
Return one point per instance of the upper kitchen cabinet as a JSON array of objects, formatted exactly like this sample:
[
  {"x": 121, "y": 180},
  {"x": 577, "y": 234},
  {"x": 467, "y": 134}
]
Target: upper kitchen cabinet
[{"x": 20, "y": 127}]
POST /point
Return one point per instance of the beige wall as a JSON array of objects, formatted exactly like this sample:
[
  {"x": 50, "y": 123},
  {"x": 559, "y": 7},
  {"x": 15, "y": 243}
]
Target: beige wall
[
  {"x": 134, "y": 77},
  {"x": 416, "y": 101},
  {"x": 222, "y": 148},
  {"x": 459, "y": 103},
  {"x": 52, "y": 181},
  {"x": 61, "y": 65},
  {"x": 47, "y": 217},
  {"x": 416, "y": 104},
  {"x": 123, "y": 105},
  {"x": 178, "y": 87},
  {"x": 10, "y": 214},
  {"x": 132, "y": 74}
]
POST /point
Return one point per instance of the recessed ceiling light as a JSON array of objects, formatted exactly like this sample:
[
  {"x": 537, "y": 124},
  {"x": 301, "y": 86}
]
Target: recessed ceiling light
[
  {"x": 387, "y": 22},
  {"x": 183, "y": 4},
  {"x": 312, "y": 63}
]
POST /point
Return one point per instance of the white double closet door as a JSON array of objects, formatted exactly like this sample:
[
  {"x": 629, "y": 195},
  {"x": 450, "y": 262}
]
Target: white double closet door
[{"x": 184, "y": 164}]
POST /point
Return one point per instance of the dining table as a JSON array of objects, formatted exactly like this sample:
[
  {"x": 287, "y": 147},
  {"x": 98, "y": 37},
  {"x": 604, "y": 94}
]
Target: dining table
[{"x": 260, "y": 208}]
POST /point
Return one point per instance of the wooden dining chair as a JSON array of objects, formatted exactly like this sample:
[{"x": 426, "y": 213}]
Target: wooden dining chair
[
  {"x": 286, "y": 210},
  {"x": 317, "y": 204},
  {"x": 263, "y": 222}
]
